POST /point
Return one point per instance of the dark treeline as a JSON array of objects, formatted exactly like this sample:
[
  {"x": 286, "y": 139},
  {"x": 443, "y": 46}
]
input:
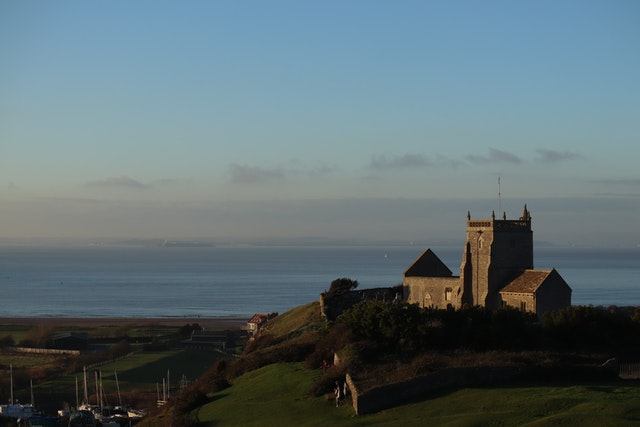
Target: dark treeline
[{"x": 407, "y": 328}]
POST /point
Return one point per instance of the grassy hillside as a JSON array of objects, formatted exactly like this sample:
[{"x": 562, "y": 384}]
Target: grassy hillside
[
  {"x": 295, "y": 321},
  {"x": 277, "y": 395}
]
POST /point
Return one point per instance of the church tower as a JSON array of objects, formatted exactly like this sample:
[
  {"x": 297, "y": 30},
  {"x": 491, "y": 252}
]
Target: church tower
[{"x": 496, "y": 252}]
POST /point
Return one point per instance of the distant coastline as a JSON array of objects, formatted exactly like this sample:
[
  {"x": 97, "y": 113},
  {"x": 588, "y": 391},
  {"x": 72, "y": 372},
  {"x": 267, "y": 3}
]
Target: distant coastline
[{"x": 309, "y": 241}]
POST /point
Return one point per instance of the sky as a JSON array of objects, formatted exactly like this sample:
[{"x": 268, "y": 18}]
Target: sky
[{"x": 349, "y": 120}]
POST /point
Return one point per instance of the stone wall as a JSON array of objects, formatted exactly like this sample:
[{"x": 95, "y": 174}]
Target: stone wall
[
  {"x": 515, "y": 300},
  {"x": 44, "y": 350},
  {"x": 554, "y": 294},
  {"x": 391, "y": 395},
  {"x": 430, "y": 291}
]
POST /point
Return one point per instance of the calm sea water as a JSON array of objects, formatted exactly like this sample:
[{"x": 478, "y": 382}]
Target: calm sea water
[{"x": 130, "y": 281}]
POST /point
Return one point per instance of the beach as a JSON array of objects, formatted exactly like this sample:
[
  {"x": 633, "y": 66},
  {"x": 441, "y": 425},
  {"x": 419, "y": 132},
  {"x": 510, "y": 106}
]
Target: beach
[{"x": 206, "y": 322}]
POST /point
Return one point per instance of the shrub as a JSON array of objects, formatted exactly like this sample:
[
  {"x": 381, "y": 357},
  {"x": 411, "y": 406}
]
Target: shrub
[
  {"x": 591, "y": 328},
  {"x": 121, "y": 348},
  {"x": 397, "y": 327},
  {"x": 189, "y": 399},
  {"x": 338, "y": 336},
  {"x": 7, "y": 341},
  {"x": 187, "y": 330},
  {"x": 327, "y": 381},
  {"x": 261, "y": 341}
]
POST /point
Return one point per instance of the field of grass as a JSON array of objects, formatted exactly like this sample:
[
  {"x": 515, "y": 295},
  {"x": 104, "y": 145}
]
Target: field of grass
[
  {"x": 277, "y": 395},
  {"x": 131, "y": 329},
  {"x": 17, "y": 332},
  {"x": 26, "y": 360}
]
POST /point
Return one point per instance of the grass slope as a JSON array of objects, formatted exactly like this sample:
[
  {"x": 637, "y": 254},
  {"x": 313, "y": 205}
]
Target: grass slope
[
  {"x": 295, "y": 321},
  {"x": 276, "y": 395}
]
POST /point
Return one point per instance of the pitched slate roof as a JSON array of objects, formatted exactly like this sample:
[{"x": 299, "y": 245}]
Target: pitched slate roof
[
  {"x": 76, "y": 335},
  {"x": 528, "y": 282},
  {"x": 428, "y": 265}
]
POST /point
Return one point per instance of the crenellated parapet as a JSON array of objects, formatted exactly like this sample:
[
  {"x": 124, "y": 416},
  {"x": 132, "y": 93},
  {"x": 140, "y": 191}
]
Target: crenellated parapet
[{"x": 504, "y": 224}]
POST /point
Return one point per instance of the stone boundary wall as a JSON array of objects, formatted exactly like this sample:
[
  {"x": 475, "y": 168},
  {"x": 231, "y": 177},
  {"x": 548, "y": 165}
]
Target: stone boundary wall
[
  {"x": 353, "y": 391},
  {"x": 391, "y": 395},
  {"x": 44, "y": 350}
]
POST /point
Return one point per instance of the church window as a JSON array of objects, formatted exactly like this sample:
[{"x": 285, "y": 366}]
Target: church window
[
  {"x": 523, "y": 306},
  {"x": 447, "y": 294},
  {"x": 427, "y": 301}
]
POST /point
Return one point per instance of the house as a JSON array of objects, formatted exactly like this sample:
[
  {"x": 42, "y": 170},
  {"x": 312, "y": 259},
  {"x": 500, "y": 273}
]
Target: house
[
  {"x": 70, "y": 341},
  {"x": 258, "y": 321},
  {"x": 496, "y": 271}
]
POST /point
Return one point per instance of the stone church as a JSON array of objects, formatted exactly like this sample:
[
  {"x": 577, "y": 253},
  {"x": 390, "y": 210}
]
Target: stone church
[{"x": 496, "y": 271}]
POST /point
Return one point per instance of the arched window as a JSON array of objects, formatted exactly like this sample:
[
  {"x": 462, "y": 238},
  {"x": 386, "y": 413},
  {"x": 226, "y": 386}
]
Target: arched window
[{"x": 427, "y": 301}]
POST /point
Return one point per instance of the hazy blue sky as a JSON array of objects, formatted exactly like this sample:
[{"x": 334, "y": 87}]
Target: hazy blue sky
[{"x": 337, "y": 119}]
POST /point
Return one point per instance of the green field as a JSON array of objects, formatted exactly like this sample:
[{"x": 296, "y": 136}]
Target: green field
[
  {"x": 277, "y": 395},
  {"x": 17, "y": 332}
]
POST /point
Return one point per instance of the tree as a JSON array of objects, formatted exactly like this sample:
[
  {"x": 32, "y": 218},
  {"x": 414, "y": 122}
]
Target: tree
[
  {"x": 342, "y": 285},
  {"x": 395, "y": 327},
  {"x": 38, "y": 336},
  {"x": 119, "y": 349}
]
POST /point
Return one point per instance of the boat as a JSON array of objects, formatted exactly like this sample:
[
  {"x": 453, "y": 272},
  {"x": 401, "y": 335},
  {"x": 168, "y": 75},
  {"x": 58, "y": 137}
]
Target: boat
[
  {"x": 43, "y": 421},
  {"x": 17, "y": 410},
  {"x": 82, "y": 418},
  {"x": 103, "y": 414}
]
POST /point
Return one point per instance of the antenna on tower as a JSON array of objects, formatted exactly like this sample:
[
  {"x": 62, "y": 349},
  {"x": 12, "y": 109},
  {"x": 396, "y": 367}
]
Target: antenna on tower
[{"x": 499, "y": 196}]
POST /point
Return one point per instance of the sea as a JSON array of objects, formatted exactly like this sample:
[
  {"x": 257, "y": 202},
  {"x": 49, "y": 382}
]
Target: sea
[{"x": 240, "y": 280}]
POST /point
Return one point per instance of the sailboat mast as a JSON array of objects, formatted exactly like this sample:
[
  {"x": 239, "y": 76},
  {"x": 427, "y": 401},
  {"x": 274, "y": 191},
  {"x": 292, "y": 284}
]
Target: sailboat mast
[
  {"x": 97, "y": 389},
  {"x": 11, "y": 375},
  {"x": 86, "y": 387},
  {"x": 118, "y": 388}
]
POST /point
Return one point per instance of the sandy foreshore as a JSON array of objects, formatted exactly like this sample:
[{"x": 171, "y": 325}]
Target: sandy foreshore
[{"x": 206, "y": 322}]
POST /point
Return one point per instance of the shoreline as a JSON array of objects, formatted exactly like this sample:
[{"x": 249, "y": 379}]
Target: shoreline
[{"x": 210, "y": 322}]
